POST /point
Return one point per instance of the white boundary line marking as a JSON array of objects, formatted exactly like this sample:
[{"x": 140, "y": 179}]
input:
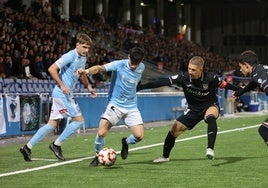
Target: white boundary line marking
[
  {"x": 44, "y": 159},
  {"x": 134, "y": 149}
]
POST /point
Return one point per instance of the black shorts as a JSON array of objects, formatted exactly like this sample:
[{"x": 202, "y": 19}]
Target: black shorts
[{"x": 191, "y": 117}]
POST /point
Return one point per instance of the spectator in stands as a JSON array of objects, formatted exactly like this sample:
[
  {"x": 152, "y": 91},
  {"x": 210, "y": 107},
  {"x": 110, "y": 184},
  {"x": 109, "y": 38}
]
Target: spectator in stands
[
  {"x": 47, "y": 62},
  {"x": 23, "y": 26},
  {"x": 37, "y": 67},
  {"x": 8, "y": 64},
  {"x": 3, "y": 73},
  {"x": 26, "y": 69},
  {"x": 17, "y": 68},
  {"x": 47, "y": 9},
  {"x": 65, "y": 72},
  {"x": 37, "y": 6}
]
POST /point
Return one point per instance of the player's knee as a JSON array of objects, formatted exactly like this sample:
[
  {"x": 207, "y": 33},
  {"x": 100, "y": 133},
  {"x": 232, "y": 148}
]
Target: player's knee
[
  {"x": 102, "y": 133},
  {"x": 139, "y": 137},
  {"x": 78, "y": 118},
  {"x": 177, "y": 129}
]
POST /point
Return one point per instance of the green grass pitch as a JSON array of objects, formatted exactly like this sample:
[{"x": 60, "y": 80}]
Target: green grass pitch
[{"x": 241, "y": 160}]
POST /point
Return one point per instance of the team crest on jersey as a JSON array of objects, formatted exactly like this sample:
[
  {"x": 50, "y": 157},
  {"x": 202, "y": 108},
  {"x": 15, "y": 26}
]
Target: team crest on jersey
[{"x": 205, "y": 86}]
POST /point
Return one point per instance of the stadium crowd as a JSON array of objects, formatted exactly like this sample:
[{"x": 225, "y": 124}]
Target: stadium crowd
[{"x": 32, "y": 38}]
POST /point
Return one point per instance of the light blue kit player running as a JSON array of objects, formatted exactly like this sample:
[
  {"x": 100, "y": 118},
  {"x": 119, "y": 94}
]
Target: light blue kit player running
[
  {"x": 65, "y": 72},
  {"x": 122, "y": 100}
]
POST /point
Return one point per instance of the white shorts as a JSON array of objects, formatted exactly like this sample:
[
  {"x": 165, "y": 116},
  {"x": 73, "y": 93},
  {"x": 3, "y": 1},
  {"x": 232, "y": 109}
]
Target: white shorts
[
  {"x": 64, "y": 107},
  {"x": 130, "y": 117}
]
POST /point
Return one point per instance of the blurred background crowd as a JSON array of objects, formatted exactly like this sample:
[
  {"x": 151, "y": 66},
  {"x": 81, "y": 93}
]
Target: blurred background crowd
[{"x": 32, "y": 38}]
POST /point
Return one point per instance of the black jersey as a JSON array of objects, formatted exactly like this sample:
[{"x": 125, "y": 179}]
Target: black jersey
[
  {"x": 200, "y": 92},
  {"x": 260, "y": 77}
]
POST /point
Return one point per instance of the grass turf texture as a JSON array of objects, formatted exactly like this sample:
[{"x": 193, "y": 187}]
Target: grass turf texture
[{"x": 241, "y": 160}]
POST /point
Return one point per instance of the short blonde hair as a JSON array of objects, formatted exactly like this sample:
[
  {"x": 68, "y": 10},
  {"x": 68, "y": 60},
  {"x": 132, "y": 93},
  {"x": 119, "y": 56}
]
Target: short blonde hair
[{"x": 197, "y": 60}]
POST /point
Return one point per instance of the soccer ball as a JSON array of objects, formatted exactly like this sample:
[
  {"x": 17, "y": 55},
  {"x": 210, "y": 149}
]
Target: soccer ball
[{"x": 107, "y": 157}]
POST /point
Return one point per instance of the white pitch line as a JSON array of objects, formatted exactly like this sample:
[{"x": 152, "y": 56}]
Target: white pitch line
[
  {"x": 44, "y": 167},
  {"x": 195, "y": 137},
  {"x": 44, "y": 159},
  {"x": 133, "y": 149}
]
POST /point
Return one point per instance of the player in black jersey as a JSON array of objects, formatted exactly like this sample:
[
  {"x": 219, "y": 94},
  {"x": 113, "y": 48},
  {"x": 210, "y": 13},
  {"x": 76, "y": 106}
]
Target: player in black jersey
[
  {"x": 249, "y": 67},
  {"x": 200, "y": 91}
]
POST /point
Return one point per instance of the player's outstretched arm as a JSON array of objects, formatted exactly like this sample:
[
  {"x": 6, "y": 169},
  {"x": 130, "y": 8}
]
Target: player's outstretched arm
[
  {"x": 251, "y": 85},
  {"x": 94, "y": 70},
  {"x": 159, "y": 82}
]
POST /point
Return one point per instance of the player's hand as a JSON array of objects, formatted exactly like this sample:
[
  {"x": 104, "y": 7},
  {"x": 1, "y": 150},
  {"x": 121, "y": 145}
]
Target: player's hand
[
  {"x": 92, "y": 91},
  {"x": 93, "y": 94},
  {"x": 81, "y": 71},
  {"x": 237, "y": 93},
  {"x": 65, "y": 89}
]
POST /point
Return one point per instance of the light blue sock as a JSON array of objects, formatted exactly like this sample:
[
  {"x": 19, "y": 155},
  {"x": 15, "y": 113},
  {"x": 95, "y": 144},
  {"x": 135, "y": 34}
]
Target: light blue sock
[
  {"x": 99, "y": 143},
  {"x": 69, "y": 130},
  {"x": 40, "y": 134},
  {"x": 132, "y": 139}
]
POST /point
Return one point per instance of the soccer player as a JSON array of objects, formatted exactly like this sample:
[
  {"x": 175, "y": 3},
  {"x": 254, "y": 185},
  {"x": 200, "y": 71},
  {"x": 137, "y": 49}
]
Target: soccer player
[
  {"x": 200, "y": 89},
  {"x": 65, "y": 72},
  {"x": 122, "y": 100},
  {"x": 249, "y": 67}
]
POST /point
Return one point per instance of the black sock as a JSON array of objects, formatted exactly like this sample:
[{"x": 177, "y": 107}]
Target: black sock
[
  {"x": 168, "y": 145},
  {"x": 211, "y": 131},
  {"x": 263, "y": 131}
]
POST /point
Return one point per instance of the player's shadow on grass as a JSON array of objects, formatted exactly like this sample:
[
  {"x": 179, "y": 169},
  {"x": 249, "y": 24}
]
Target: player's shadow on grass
[
  {"x": 225, "y": 160},
  {"x": 229, "y": 160}
]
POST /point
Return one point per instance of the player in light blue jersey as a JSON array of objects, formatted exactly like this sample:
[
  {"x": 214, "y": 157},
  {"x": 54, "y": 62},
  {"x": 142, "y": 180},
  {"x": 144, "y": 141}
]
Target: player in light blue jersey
[
  {"x": 122, "y": 100},
  {"x": 65, "y": 72}
]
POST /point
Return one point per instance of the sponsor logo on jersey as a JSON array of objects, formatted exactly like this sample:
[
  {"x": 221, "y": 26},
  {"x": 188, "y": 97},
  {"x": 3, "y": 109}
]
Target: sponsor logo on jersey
[{"x": 205, "y": 86}]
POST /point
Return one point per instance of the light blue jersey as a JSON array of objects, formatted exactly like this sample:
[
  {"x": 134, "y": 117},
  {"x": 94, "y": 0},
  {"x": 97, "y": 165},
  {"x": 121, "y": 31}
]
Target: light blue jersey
[
  {"x": 124, "y": 81},
  {"x": 69, "y": 63}
]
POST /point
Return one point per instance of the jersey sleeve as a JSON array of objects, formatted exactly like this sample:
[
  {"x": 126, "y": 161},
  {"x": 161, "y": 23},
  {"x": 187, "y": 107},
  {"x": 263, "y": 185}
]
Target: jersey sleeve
[
  {"x": 223, "y": 84},
  {"x": 177, "y": 79},
  {"x": 260, "y": 78},
  {"x": 159, "y": 82},
  {"x": 112, "y": 66},
  {"x": 64, "y": 60},
  {"x": 251, "y": 85}
]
